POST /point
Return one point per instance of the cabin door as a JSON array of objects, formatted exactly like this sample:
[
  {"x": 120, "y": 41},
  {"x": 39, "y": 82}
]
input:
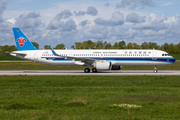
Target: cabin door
[
  {"x": 154, "y": 57},
  {"x": 71, "y": 54},
  {"x": 36, "y": 56}
]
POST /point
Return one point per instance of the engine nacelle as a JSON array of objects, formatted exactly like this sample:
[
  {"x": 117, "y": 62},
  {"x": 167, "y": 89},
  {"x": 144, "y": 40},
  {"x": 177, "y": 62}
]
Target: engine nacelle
[
  {"x": 102, "y": 65},
  {"x": 116, "y": 67}
]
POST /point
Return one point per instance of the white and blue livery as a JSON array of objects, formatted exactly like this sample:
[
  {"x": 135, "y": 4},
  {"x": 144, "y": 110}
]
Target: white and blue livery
[{"x": 99, "y": 59}]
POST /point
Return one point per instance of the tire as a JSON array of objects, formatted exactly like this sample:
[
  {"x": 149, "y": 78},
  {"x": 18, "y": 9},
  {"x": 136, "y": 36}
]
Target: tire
[
  {"x": 86, "y": 70},
  {"x": 155, "y": 71},
  {"x": 94, "y": 70}
]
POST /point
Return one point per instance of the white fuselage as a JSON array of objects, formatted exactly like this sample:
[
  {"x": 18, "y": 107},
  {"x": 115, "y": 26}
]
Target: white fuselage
[{"x": 116, "y": 57}]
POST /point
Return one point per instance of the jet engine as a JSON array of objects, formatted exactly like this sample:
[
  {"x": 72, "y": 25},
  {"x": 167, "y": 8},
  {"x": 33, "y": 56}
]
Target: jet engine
[{"x": 102, "y": 65}]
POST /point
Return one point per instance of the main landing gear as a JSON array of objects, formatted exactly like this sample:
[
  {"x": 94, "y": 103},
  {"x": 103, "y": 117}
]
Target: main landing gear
[
  {"x": 155, "y": 69},
  {"x": 87, "y": 70},
  {"x": 94, "y": 70}
]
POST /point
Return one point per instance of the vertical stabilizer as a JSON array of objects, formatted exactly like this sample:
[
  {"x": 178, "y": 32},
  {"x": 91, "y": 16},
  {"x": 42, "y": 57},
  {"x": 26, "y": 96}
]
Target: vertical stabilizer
[{"x": 22, "y": 42}]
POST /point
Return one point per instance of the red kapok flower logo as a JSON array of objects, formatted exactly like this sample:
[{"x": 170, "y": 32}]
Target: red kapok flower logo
[{"x": 21, "y": 41}]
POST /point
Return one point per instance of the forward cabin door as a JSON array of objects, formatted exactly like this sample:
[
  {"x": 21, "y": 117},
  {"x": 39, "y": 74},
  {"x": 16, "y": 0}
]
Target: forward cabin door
[
  {"x": 154, "y": 57},
  {"x": 36, "y": 56}
]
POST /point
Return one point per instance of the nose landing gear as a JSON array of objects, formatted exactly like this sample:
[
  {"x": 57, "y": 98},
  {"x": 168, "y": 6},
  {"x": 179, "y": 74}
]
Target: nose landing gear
[{"x": 155, "y": 69}]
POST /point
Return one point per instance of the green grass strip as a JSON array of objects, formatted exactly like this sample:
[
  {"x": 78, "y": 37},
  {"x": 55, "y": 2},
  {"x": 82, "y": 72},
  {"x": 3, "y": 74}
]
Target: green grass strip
[
  {"x": 90, "y": 97},
  {"x": 41, "y": 66}
]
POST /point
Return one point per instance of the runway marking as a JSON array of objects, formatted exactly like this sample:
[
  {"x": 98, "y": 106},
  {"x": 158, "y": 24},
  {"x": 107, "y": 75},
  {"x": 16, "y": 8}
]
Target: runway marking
[{"x": 81, "y": 72}]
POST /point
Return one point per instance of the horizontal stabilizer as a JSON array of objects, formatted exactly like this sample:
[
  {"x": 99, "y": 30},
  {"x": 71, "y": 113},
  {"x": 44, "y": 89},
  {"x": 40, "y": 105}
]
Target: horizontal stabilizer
[{"x": 18, "y": 53}]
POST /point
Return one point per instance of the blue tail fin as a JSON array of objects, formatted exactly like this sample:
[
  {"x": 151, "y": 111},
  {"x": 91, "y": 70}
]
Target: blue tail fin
[{"x": 22, "y": 42}]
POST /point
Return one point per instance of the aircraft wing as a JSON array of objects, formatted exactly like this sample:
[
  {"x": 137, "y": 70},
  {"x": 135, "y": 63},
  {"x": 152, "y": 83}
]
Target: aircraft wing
[{"x": 85, "y": 60}]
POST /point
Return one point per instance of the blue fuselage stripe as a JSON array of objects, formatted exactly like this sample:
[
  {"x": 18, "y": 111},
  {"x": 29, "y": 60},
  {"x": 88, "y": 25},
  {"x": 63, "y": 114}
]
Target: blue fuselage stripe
[{"x": 152, "y": 59}]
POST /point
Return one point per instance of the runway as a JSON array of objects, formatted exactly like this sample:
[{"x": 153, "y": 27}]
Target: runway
[{"x": 81, "y": 72}]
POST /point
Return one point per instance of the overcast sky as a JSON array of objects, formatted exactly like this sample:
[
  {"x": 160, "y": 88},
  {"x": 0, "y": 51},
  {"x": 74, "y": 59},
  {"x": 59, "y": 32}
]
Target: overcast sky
[{"x": 51, "y": 22}]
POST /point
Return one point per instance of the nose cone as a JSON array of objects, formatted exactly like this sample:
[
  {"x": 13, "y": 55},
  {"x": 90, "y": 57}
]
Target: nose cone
[{"x": 173, "y": 60}]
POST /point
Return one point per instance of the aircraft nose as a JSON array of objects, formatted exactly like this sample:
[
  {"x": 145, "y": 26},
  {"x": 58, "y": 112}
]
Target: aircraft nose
[{"x": 173, "y": 59}]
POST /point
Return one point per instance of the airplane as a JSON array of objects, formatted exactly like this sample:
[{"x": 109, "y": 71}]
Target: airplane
[{"x": 99, "y": 59}]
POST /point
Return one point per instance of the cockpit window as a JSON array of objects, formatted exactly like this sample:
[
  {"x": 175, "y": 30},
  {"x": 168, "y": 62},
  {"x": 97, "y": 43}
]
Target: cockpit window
[{"x": 165, "y": 55}]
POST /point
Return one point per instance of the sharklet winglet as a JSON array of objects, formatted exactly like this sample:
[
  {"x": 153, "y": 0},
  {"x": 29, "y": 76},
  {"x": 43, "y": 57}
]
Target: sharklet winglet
[{"x": 54, "y": 53}]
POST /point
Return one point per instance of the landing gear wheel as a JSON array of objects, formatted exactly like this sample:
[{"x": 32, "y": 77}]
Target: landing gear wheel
[
  {"x": 86, "y": 70},
  {"x": 155, "y": 71},
  {"x": 94, "y": 70}
]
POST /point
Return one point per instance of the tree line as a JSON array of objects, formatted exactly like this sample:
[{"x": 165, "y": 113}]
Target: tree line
[{"x": 170, "y": 48}]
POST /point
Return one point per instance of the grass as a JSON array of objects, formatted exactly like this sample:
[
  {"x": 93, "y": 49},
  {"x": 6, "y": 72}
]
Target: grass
[
  {"x": 8, "y": 57},
  {"x": 90, "y": 97},
  {"x": 78, "y": 102},
  {"x": 41, "y": 66},
  {"x": 176, "y": 56}
]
